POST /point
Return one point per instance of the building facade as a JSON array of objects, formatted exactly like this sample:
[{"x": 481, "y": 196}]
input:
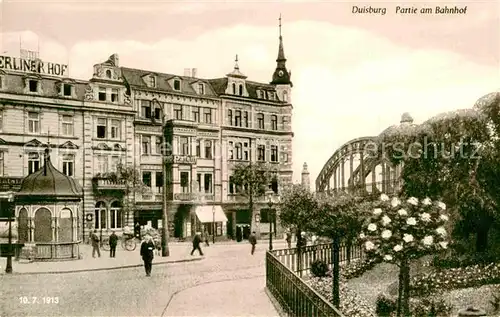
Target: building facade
[{"x": 201, "y": 128}]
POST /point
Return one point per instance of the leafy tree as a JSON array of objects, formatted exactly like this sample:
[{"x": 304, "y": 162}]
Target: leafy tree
[{"x": 252, "y": 181}]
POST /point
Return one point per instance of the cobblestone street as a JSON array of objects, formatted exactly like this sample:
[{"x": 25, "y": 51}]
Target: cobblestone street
[{"x": 127, "y": 292}]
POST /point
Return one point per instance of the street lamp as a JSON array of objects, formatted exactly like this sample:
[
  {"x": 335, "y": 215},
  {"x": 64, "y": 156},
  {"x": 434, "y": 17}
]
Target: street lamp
[
  {"x": 213, "y": 224},
  {"x": 8, "y": 267},
  {"x": 270, "y": 195}
]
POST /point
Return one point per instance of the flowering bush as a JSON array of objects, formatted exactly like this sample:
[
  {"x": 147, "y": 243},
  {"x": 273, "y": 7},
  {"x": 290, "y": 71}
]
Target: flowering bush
[
  {"x": 399, "y": 230},
  {"x": 357, "y": 268}
]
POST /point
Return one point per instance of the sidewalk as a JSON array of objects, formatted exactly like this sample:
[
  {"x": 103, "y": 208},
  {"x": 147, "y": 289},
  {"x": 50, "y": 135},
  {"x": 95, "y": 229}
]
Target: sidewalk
[
  {"x": 179, "y": 252},
  {"x": 242, "y": 297}
]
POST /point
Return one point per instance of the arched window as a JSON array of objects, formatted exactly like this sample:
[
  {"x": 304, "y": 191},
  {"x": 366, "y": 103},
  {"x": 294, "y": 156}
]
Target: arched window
[
  {"x": 22, "y": 229},
  {"x": 241, "y": 90},
  {"x": 115, "y": 217},
  {"x": 43, "y": 225},
  {"x": 100, "y": 215},
  {"x": 285, "y": 96},
  {"x": 274, "y": 122},
  {"x": 65, "y": 233},
  {"x": 234, "y": 89},
  {"x": 108, "y": 73},
  {"x": 239, "y": 153}
]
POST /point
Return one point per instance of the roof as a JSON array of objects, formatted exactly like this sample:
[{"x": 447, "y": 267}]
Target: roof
[
  {"x": 49, "y": 184},
  {"x": 220, "y": 84}
]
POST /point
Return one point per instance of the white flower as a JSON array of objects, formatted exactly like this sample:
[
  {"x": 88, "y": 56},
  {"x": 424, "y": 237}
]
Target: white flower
[
  {"x": 407, "y": 238},
  {"x": 377, "y": 211},
  {"x": 402, "y": 212},
  {"x": 441, "y": 231},
  {"x": 369, "y": 245},
  {"x": 428, "y": 240},
  {"x": 362, "y": 235},
  {"x": 386, "y": 220},
  {"x": 444, "y": 217},
  {"x": 384, "y": 197},
  {"x": 388, "y": 257},
  {"x": 413, "y": 201},
  {"x": 411, "y": 221},
  {"x": 395, "y": 202},
  {"x": 398, "y": 247},
  {"x": 443, "y": 244},
  {"x": 425, "y": 217},
  {"x": 386, "y": 234},
  {"x": 442, "y": 205},
  {"x": 372, "y": 227},
  {"x": 427, "y": 201}
]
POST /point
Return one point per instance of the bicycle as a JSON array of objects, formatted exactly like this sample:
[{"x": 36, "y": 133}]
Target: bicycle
[{"x": 127, "y": 242}]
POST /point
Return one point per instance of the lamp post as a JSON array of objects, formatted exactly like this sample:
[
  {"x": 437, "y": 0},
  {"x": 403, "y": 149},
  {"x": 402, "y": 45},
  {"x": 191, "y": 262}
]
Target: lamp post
[
  {"x": 270, "y": 195},
  {"x": 213, "y": 224},
  {"x": 8, "y": 267}
]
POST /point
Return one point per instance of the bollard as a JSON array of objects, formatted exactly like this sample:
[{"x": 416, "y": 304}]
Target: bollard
[{"x": 471, "y": 311}]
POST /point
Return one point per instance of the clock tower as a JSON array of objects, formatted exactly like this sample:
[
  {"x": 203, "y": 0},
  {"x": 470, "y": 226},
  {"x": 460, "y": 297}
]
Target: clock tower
[{"x": 281, "y": 76}]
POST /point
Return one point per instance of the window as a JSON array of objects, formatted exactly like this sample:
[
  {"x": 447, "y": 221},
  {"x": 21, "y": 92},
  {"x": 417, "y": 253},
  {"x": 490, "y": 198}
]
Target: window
[
  {"x": 115, "y": 215},
  {"x": 115, "y": 160},
  {"x": 271, "y": 95},
  {"x": 274, "y": 184},
  {"x": 33, "y": 162},
  {"x": 198, "y": 180},
  {"x": 230, "y": 116},
  {"x": 67, "y": 90},
  {"x": 146, "y": 178},
  {"x": 34, "y": 122},
  {"x": 208, "y": 115},
  {"x": 178, "y": 112},
  {"x": 152, "y": 81},
  {"x": 241, "y": 90},
  {"x": 285, "y": 96},
  {"x": 261, "y": 152},
  {"x": 274, "y": 153},
  {"x": 33, "y": 85},
  {"x": 208, "y": 183},
  {"x": 245, "y": 119},
  {"x": 67, "y": 125},
  {"x": 259, "y": 94},
  {"x": 159, "y": 182},
  {"x": 115, "y": 129},
  {"x": 1, "y": 120},
  {"x": 274, "y": 122},
  {"x": 102, "y": 94},
  {"x": 146, "y": 109},
  {"x": 196, "y": 114},
  {"x": 185, "y": 182},
  {"x": 101, "y": 128},
  {"x": 260, "y": 120},
  {"x": 2, "y": 163},
  {"x": 102, "y": 164},
  {"x": 100, "y": 215},
  {"x": 234, "y": 89},
  {"x": 114, "y": 95},
  {"x": 146, "y": 145},
  {"x": 231, "y": 150},
  {"x": 198, "y": 148},
  {"x": 232, "y": 186},
  {"x": 157, "y": 113},
  {"x": 237, "y": 118},
  {"x": 177, "y": 84},
  {"x": 238, "y": 151},
  {"x": 284, "y": 121},
  {"x": 245, "y": 151},
  {"x": 159, "y": 144},
  {"x": 201, "y": 89},
  {"x": 108, "y": 73},
  {"x": 68, "y": 165},
  {"x": 184, "y": 141},
  {"x": 208, "y": 149}
]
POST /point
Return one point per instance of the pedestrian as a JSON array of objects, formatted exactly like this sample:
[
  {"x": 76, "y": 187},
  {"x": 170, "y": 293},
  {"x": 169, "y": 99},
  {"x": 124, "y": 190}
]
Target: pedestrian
[
  {"x": 289, "y": 239},
  {"x": 113, "y": 241},
  {"x": 205, "y": 235},
  {"x": 253, "y": 241},
  {"x": 196, "y": 243},
  {"x": 147, "y": 253},
  {"x": 95, "y": 244}
]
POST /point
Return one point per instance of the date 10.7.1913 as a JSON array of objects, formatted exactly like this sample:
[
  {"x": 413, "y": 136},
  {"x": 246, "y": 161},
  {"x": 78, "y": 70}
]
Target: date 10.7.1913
[{"x": 38, "y": 300}]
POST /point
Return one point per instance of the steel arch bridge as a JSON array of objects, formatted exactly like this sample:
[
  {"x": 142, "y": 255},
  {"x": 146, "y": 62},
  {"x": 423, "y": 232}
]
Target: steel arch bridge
[{"x": 364, "y": 170}]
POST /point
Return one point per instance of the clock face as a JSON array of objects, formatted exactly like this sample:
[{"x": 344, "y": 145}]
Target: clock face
[{"x": 280, "y": 73}]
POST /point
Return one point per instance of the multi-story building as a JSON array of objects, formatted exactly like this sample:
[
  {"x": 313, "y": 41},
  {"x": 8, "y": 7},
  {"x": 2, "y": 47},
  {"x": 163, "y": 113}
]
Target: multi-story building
[{"x": 138, "y": 118}]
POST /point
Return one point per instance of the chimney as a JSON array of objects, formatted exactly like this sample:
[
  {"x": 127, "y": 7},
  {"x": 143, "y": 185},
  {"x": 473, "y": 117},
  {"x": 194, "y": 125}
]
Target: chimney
[
  {"x": 193, "y": 72},
  {"x": 305, "y": 177},
  {"x": 187, "y": 72}
]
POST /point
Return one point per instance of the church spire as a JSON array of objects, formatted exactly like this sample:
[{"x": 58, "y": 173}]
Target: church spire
[{"x": 281, "y": 76}]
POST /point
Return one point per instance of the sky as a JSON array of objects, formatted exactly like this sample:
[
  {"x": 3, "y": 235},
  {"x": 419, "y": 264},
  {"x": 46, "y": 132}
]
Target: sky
[{"x": 353, "y": 74}]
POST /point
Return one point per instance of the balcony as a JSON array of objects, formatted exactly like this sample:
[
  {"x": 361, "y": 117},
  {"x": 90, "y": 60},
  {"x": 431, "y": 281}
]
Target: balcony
[
  {"x": 236, "y": 198},
  {"x": 181, "y": 159},
  {"x": 10, "y": 183},
  {"x": 107, "y": 183}
]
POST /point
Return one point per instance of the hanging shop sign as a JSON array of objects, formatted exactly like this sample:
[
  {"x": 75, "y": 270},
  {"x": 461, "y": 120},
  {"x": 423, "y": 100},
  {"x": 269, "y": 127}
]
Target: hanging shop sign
[{"x": 32, "y": 66}]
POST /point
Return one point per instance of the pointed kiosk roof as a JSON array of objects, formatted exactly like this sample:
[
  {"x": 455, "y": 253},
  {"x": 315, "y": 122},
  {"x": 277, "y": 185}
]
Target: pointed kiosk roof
[{"x": 49, "y": 184}]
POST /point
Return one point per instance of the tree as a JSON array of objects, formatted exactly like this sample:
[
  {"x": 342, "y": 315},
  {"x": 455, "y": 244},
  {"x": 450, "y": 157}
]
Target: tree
[
  {"x": 252, "y": 181},
  {"x": 297, "y": 206},
  {"x": 399, "y": 231}
]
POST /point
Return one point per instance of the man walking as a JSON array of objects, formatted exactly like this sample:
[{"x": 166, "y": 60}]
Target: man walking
[
  {"x": 205, "y": 237},
  {"x": 147, "y": 254},
  {"x": 95, "y": 244},
  {"x": 196, "y": 243},
  {"x": 253, "y": 241},
  {"x": 113, "y": 241},
  {"x": 289, "y": 238}
]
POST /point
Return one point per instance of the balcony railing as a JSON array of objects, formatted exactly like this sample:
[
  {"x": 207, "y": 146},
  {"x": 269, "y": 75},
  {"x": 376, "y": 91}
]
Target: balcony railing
[
  {"x": 181, "y": 159},
  {"x": 108, "y": 183}
]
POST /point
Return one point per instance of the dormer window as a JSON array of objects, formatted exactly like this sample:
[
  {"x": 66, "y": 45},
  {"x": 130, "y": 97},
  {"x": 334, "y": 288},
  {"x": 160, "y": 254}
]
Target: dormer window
[
  {"x": 108, "y": 73},
  {"x": 201, "y": 88},
  {"x": 102, "y": 94},
  {"x": 177, "y": 84},
  {"x": 241, "y": 90},
  {"x": 67, "y": 89},
  {"x": 285, "y": 96},
  {"x": 152, "y": 81},
  {"x": 33, "y": 85},
  {"x": 271, "y": 95},
  {"x": 259, "y": 94}
]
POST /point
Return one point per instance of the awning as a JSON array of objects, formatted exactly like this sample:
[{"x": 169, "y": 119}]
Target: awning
[{"x": 209, "y": 213}]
